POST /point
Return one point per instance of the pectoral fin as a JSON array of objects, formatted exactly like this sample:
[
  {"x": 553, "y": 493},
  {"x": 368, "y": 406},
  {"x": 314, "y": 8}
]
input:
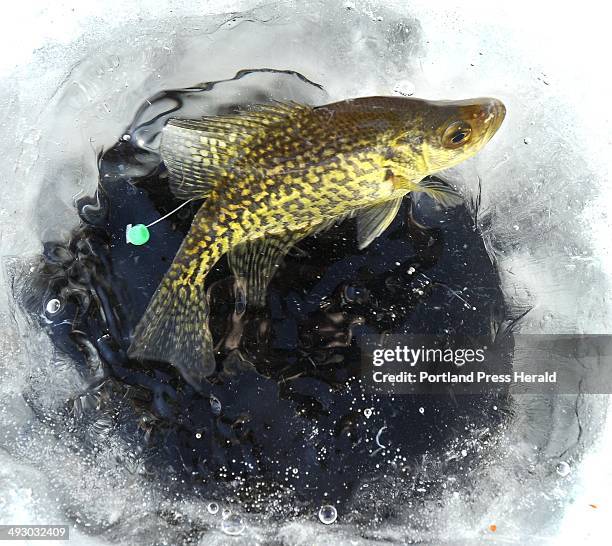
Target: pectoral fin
[
  {"x": 373, "y": 220},
  {"x": 435, "y": 187},
  {"x": 441, "y": 191}
]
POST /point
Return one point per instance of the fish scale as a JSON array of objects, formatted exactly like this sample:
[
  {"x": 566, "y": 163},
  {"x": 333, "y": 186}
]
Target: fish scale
[{"x": 277, "y": 173}]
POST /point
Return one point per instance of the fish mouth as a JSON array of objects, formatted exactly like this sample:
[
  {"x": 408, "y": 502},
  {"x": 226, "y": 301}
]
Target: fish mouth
[
  {"x": 496, "y": 113},
  {"x": 486, "y": 115}
]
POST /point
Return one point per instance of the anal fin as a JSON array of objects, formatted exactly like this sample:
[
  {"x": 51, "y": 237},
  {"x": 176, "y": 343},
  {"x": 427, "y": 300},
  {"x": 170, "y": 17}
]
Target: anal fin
[{"x": 255, "y": 262}]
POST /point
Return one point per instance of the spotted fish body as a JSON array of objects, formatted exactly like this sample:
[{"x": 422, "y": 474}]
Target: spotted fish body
[{"x": 276, "y": 174}]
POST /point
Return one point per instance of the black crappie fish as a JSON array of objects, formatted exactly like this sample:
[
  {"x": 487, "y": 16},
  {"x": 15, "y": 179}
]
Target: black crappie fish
[{"x": 278, "y": 173}]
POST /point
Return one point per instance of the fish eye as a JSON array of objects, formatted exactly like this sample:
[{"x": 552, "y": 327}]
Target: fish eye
[
  {"x": 456, "y": 134},
  {"x": 458, "y": 137}
]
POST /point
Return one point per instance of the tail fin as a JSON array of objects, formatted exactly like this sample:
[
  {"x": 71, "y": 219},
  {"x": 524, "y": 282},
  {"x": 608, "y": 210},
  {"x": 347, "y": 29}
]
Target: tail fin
[{"x": 174, "y": 329}]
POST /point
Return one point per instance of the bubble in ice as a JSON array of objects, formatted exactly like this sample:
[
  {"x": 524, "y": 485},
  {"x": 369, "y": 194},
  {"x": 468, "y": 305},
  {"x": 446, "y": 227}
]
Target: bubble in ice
[
  {"x": 367, "y": 412},
  {"x": 378, "y": 435},
  {"x": 563, "y": 469},
  {"x": 422, "y": 410},
  {"x": 405, "y": 88},
  {"x": 53, "y": 306},
  {"x": 233, "y": 525},
  {"x": 212, "y": 508},
  {"x": 328, "y": 514},
  {"x": 215, "y": 405}
]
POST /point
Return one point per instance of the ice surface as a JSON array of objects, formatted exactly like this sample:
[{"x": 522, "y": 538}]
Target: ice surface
[{"x": 79, "y": 75}]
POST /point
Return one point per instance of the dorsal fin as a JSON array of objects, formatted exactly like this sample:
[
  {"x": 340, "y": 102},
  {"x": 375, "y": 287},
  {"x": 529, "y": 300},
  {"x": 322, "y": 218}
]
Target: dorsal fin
[{"x": 199, "y": 152}]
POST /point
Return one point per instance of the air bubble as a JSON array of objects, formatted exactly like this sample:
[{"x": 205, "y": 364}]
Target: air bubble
[
  {"x": 422, "y": 410},
  {"x": 367, "y": 412},
  {"x": 233, "y": 525},
  {"x": 212, "y": 508},
  {"x": 328, "y": 514},
  {"x": 563, "y": 469},
  {"x": 215, "y": 405},
  {"x": 405, "y": 88},
  {"x": 53, "y": 306}
]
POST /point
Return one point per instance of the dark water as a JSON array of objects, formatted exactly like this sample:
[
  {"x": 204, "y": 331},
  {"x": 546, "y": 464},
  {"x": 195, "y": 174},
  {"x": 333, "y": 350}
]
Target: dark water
[{"x": 285, "y": 424}]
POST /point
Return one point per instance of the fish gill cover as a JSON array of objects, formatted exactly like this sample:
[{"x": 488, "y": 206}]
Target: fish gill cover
[{"x": 287, "y": 435}]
